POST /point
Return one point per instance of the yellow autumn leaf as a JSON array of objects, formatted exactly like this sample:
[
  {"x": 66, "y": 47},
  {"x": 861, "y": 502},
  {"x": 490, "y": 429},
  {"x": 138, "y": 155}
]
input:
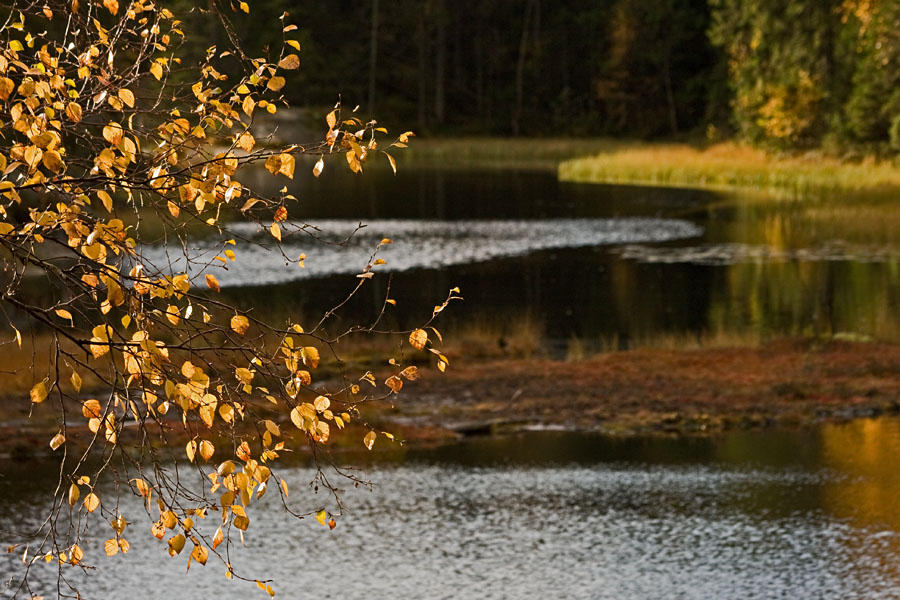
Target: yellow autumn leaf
[
  {"x": 276, "y": 83},
  {"x": 317, "y": 169},
  {"x": 142, "y": 487},
  {"x": 418, "y": 338},
  {"x": 287, "y": 165},
  {"x": 191, "y": 449},
  {"x": 273, "y": 164},
  {"x": 218, "y": 538},
  {"x": 7, "y": 86},
  {"x": 207, "y": 449},
  {"x": 245, "y": 7},
  {"x": 369, "y": 440},
  {"x": 126, "y": 96},
  {"x": 111, "y": 547},
  {"x": 246, "y": 142},
  {"x": 106, "y": 199},
  {"x": 76, "y": 381},
  {"x": 310, "y": 356},
  {"x": 411, "y": 373},
  {"x": 112, "y": 133},
  {"x": 57, "y": 441},
  {"x": 289, "y": 62},
  {"x": 176, "y": 544},
  {"x": 248, "y": 105},
  {"x": 156, "y": 70},
  {"x": 322, "y": 403},
  {"x": 74, "y": 494},
  {"x": 394, "y": 382},
  {"x": 91, "y": 409},
  {"x": 240, "y": 324},
  {"x": 200, "y": 554},
  {"x": 275, "y": 230},
  {"x": 212, "y": 283},
  {"x": 39, "y": 392},
  {"x": 244, "y": 375},
  {"x": 73, "y": 112},
  {"x": 91, "y": 502},
  {"x": 53, "y": 161}
]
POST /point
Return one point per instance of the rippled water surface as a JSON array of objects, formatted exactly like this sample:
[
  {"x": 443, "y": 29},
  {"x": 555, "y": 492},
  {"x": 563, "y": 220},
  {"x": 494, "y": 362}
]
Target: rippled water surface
[
  {"x": 649, "y": 263},
  {"x": 343, "y": 246},
  {"x": 770, "y": 515}
]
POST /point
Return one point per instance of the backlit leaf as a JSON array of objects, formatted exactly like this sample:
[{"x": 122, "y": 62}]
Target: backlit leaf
[
  {"x": 394, "y": 382},
  {"x": 369, "y": 440},
  {"x": 218, "y": 538},
  {"x": 57, "y": 441},
  {"x": 207, "y": 450},
  {"x": 310, "y": 356},
  {"x": 127, "y": 96},
  {"x": 39, "y": 392},
  {"x": 74, "y": 494},
  {"x": 212, "y": 283},
  {"x": 176, "y": 544},
  {"x": 322, "y": 403},
  {"x": 91, "y": 409},
  {"x": 411, "y": 373},
  {"x": 91, "y": 502},
  {"x": 289, "y": 62},
  {"x": 273, "y": 164},
  {"x": 418, "y": 338},
  {"x": 240, "y": 323},
  {"x": 142, "y": 486},
  {"x": 73, "y": 112},
  {"x": 106, "y": 199},
  {"x": 200, "y": 554},
  {"x": 111, "y": 547},
  {"x": 287, "y": 165}
]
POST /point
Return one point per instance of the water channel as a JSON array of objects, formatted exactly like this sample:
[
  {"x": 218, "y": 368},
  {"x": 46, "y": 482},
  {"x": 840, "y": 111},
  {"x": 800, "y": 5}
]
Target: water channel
[
  {"x": 777, "y": 514},
  {"x": 801, "y": 514},
  {"x": 648, "y": 262}
]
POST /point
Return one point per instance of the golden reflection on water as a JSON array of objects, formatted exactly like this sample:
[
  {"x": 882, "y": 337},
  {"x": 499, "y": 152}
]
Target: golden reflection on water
[{"x": 865, "y": 453}]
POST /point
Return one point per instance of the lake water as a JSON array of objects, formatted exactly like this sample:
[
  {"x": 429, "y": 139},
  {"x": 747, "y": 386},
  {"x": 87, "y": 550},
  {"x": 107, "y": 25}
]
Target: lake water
[
  {"x": 789, "y": 514},
  {"x": 648, "y": 263},
  {"x": 796, "y": 514}
]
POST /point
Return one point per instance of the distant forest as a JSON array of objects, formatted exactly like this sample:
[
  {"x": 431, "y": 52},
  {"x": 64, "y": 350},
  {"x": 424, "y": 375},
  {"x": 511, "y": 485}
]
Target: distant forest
[{"x": 783, "y": 73}]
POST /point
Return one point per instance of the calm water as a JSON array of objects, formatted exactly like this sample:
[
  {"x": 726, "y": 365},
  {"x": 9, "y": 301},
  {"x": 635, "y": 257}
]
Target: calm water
[
  {"x": 648, "y": 262},
  {"x": 809, "y": 514}
]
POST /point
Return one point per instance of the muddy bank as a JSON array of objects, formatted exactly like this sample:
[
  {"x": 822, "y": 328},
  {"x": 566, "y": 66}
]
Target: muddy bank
[
  {"x": 648, "y": 390},
  {"x": 687, "y": 391}
]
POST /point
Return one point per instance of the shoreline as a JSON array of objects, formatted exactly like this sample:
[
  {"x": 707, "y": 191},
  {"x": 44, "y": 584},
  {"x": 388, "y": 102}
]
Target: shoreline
[
  {"x": 658, "y": 391},
  {"x": 726, "y": 166},
  {"x": 647, "y": 391}
]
